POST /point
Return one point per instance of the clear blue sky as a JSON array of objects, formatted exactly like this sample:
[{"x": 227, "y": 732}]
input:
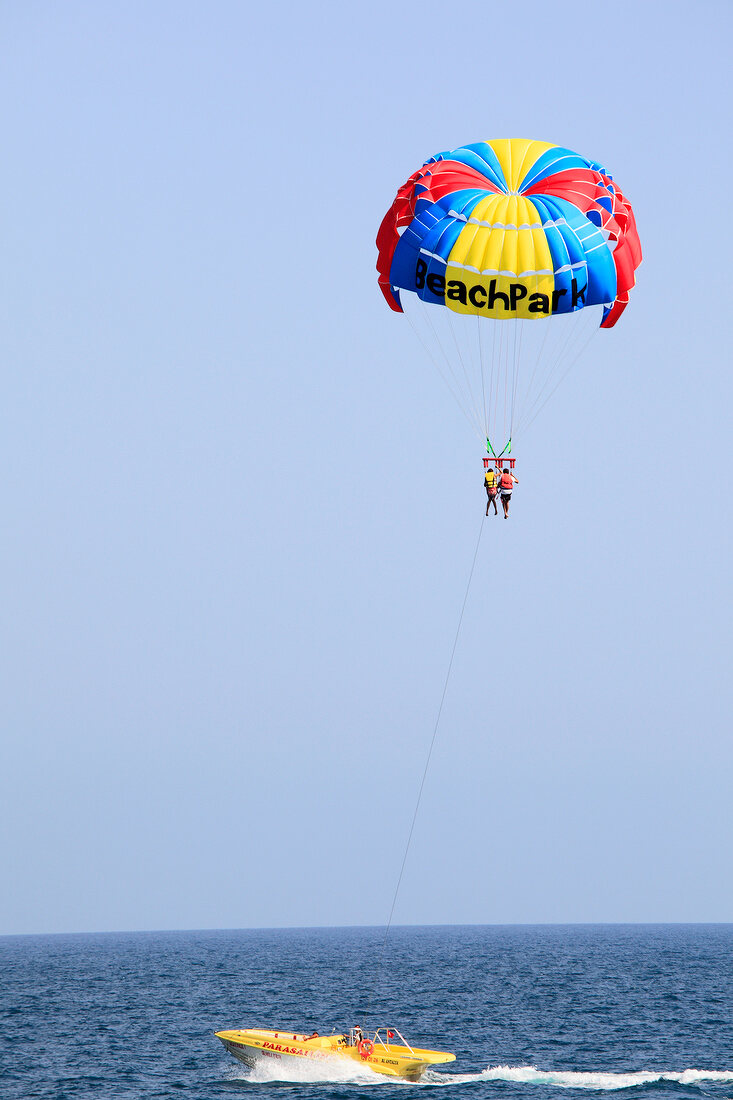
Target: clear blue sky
[{"x": 239, "y": 507}]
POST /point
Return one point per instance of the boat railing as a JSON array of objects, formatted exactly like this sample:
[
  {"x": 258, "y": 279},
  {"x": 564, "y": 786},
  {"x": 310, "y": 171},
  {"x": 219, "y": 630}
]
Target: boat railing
[{"x": 378, "y": 1038}]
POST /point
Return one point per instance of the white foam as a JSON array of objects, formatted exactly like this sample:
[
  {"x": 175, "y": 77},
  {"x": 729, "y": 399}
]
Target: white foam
[
  {"x": 307, "y": 1071},
  {"x": 530, "y": 1075}
]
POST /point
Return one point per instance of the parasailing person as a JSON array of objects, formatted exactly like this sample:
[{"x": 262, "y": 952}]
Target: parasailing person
[
  {"x": 506, "y": 484},
  {"x": 492, "y": 488}
]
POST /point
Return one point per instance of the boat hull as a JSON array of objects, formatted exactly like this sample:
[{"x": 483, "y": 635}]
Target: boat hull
[{"x": 254, "y": 1046}]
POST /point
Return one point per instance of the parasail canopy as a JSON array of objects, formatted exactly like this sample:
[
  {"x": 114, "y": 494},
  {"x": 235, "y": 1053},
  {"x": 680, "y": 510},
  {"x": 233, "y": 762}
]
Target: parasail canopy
[{"x": 510, "y": 228}]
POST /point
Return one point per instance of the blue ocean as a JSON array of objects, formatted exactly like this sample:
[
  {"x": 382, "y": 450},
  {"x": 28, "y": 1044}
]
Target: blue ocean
[{"x": 530, "y": 1011}]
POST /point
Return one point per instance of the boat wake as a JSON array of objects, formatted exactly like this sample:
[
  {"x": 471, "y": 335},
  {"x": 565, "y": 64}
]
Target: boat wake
[
  {"x": 336, "y": 1071},
  {"x": 604, "y": 1082},
  {"x": 307, "y": 1071}
]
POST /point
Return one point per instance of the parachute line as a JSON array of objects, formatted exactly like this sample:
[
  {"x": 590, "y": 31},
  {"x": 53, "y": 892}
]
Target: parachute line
[
  {"x": 481, "y": 364},
  {"x": 500, "y": 384},
  {"x": 424, "y": 310},
  {"x": 455, "y": 393},
  {"x": 463, "y": 365},
  {"x": 564, "y": 375},
  {"x": 566, "y": 350},
  {"x": 537, "y": 361}
]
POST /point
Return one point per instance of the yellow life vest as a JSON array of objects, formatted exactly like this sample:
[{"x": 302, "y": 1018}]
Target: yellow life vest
[{"x": 490, "y": 479}]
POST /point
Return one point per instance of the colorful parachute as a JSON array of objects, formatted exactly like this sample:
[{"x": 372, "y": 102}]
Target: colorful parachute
[{"x": 512, "y": 230}]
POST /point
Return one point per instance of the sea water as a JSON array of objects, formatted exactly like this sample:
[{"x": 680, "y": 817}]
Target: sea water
[{"x": 529, "y": 1011}]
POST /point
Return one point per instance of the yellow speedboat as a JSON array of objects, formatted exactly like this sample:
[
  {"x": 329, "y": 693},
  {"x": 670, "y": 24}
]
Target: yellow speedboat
[{"x": 376, "y": 1050}]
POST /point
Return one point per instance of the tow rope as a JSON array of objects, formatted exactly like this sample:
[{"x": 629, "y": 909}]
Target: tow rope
[{"x": 380, "y": 956}]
